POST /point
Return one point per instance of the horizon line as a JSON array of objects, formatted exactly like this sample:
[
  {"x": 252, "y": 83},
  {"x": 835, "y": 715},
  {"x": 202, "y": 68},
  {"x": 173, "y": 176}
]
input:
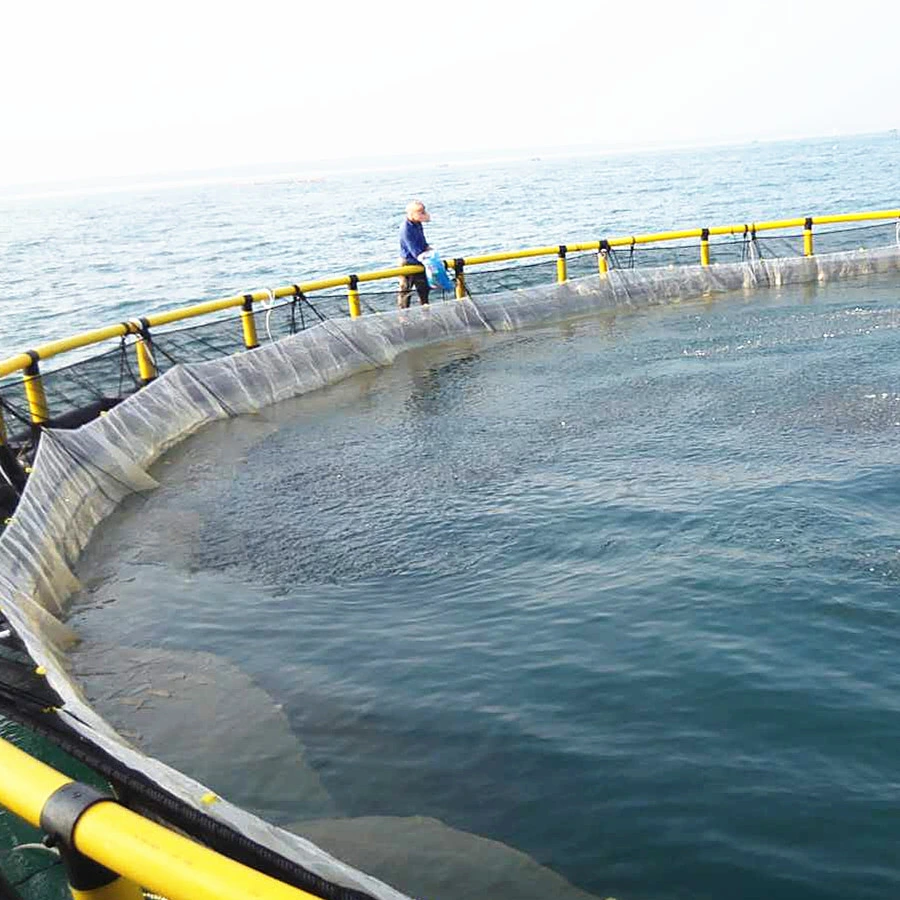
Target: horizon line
[{"x": 313, "y": 170}]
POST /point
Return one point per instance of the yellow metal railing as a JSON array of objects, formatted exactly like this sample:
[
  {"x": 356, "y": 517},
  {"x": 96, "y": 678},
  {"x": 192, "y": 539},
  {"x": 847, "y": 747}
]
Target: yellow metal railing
[
  {"x": 28, "y": 362},
  {"x": 142, "y": 853}
]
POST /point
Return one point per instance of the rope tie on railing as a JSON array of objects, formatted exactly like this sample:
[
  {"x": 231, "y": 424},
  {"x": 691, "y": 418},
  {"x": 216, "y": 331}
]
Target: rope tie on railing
[
  {"x": 268, "y": 306},
  {"x": 301, "y": 298},
  {"x": 754, "y": 242},
  {"x": 295, "y": 302},
  {"x": 125, "y": 364},
  {"x": 147, "y": 338},
  {"x": 744, "y": 248}
]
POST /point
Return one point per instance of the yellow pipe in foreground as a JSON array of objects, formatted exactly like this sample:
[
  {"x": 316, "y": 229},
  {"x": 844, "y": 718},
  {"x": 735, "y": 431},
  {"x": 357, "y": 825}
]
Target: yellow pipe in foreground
[
  {"x": 808, "y": 237},
  {"x": 120, "y": 889},
  {"x": 704, "y": 247},
  {"x": 141, "y": 851},
  {"x": 27, "y": 783}
]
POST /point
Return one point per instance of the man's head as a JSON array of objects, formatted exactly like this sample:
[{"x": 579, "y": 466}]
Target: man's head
[{"x": 416, "y": 212}]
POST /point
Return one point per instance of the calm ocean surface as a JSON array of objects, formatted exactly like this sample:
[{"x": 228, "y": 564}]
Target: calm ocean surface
[{"x": 620, "y": 593}]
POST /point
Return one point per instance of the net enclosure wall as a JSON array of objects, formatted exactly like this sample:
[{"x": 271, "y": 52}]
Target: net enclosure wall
[{"x": 82, "y": 389}]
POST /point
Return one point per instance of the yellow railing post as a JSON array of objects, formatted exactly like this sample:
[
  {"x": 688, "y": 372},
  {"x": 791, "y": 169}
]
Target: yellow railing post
[
  {"x": 704, "y": 247},
  {"x": 353, "y": 297},
  {"x": 458, "y": 265},
  {"x": 146, "y": 367},
  {"x": 248, "y": 323},
  {"x": 144, "y": 349},
  {"x": 603, "y": 257},
  {"x": 807, "y": 237},
  {"x": 561, "y": 274},
  {"x": 34, "y": 392}
]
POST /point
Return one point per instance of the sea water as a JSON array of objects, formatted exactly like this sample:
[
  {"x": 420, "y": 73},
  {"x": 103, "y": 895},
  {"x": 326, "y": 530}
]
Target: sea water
[{"x": 620, "y": 592}]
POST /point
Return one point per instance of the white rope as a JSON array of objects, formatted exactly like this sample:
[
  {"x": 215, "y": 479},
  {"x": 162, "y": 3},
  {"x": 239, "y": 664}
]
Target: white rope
[
  {"x": 44, "y": 847},
  {"x": 268, "y": 305}
]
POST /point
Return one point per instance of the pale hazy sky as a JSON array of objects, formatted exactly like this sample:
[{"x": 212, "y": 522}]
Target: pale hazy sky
[{"x": 118, "y": 89}]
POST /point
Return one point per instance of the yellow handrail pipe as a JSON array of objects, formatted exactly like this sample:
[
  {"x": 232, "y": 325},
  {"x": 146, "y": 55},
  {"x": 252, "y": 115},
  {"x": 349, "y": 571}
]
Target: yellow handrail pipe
[
  {"x": 857, "y": 217},
  {"x": 141, "y": 851},
  {"x": 510, "y": 255},
  {"x": 808, "y": 236},
  {"x": 383, "y": 274},
  {"x": 191, "y": 312}
]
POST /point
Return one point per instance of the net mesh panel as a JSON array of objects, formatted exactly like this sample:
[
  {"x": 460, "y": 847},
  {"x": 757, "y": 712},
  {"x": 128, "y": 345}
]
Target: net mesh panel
[
  {"x": 81, "y": 475},
  {"x": 835, "y": 238},
  {"x": 91, "y": 384},
  {"x": 510, "y": 276},
  {"x": 202, "y": 341}
]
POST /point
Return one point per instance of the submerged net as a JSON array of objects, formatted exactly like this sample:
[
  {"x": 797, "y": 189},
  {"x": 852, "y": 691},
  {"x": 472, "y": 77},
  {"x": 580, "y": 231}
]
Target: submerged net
[{"x": 81, "y": 475}]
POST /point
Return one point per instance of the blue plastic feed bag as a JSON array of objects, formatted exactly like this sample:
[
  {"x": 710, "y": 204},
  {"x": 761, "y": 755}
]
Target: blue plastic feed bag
[{"x": 435, "y": 271}]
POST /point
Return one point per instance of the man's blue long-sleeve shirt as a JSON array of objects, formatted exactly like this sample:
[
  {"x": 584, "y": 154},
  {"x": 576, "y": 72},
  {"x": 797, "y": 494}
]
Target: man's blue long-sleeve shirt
[{"x": 412, "y": 241}]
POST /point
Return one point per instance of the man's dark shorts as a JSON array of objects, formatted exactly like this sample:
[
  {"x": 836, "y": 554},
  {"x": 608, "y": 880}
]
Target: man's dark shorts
[{"x": 419, "y": 281}]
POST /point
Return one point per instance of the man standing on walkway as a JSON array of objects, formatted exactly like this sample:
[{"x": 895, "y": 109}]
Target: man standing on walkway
[{"x": 412, "y": 243}]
